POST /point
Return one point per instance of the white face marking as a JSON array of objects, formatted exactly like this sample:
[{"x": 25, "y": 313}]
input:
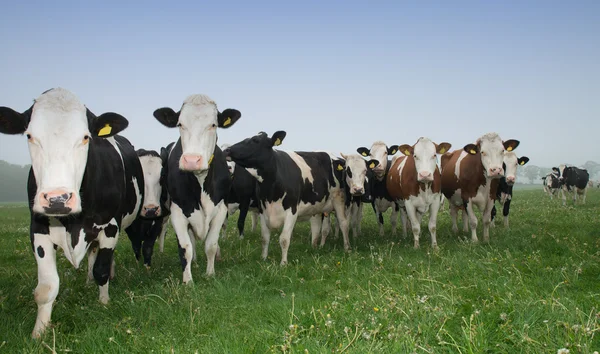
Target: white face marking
[
  {"x": 492, "y": 155},
  {"x": 425, "y": 159},
  {"x": 198, "y": 131},
  {"x": 58, "y": 145},
  {"x": 152, "y": 167},
  {"x": 358, "y": 169},
  {"x": 512, "y": 162},
  {"x": 379, "y": 152}
]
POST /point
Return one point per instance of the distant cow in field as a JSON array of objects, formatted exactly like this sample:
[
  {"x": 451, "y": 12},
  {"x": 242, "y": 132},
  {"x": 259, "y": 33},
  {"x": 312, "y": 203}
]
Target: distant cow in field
[
  {"x": 573, "y": 180},
  {"x": 292, "y": 186},
  {"x": 504, "y": 192},
  {"x": 85, "y": 185},
  {"x": 382, "y": 201},
  {"x": 470, "y": 177},
  {"x": 198, "y": 179},
  {"x": 415, "y": 179},
  {"x": 552, "y": 183}
]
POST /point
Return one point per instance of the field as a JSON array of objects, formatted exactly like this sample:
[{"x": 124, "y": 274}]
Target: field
[{"x": 534, "y": 288}]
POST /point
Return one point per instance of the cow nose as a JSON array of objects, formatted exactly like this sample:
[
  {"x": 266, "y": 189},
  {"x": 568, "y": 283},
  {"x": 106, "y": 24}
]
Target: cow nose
[
  {"x": 357, "y": 191},
  {"x": 510, "y": 179},
  {"x": 425, "y": 176},
  {"x": 191, "y": 162},
  {"x": 151, "y": 211},
  {"x": 226, "y": 152},
  {"x": 58, "y": 201},
  {"x": 57, "y": 197},
  {"x": 495, "y": 171}
]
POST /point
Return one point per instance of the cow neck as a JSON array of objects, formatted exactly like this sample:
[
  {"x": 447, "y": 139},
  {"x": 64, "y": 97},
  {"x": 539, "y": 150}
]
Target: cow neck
[{"x": 268, "y": 170}]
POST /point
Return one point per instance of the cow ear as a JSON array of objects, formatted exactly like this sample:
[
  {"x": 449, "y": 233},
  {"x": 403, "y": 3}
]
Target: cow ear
[
  {"x": 228, "y": 117},
  {"x": 278, "y": 137},
  {"x": 510, "y": 145},
  {"x": 338, "y": 165},
  {"x": 371, "y": 164},
  {"x": 392, "y": 150},
  {"x": 108, "y": 124},
  {"x": 406, "y": 149},
  {"x": 167, "y": 117},
  {"x": 363, "y": 151},
  {"x": 443, "y": 148},
  {"x": 523, "y": 160},
  {"x": 12, "y": 122},
  {"x": 471, "y": 149}
]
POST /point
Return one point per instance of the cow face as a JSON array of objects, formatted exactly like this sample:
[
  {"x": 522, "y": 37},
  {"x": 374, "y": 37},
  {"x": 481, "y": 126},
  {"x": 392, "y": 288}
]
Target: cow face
[
  {"x": 356, "y": 171},
  {"x": 255, "y": 152},
  {"x": 152, "y": 166},
  {"x": 59, "y": 130},
  {"x": 491, "y": 151},
  {"x": 511, "y": 162},
  {"x": 380, "y": 152},
  {"x": 197, "y": 121},
  {"x": 425, "y": 153}
]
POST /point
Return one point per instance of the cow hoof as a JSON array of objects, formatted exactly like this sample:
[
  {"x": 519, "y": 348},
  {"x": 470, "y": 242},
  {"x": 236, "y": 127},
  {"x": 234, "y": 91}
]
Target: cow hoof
[
  {"x": 283, "y": 263},
  {"x": 147, "y": 266},
  {"x": 104, "y": 300}
]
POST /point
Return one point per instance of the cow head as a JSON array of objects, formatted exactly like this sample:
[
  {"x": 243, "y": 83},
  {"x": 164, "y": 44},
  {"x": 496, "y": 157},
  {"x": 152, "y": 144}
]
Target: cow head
[
  {"x": 425, "y": 153},
  {"x": 380, "y": 152},
  {"x": 490, "y": 149},
  {"x": 255, "y": 152},
  {"x": 197, "y": 121},
  {"x": 356, "y": 169},
  {"x": 152, "y": 165},
  {"x": 59, "y": 129},
  {"x": 511, "y": 162}
]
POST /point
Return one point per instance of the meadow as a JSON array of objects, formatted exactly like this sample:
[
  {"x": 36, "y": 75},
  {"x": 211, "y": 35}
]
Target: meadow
[{"x": 535, "y": 288}]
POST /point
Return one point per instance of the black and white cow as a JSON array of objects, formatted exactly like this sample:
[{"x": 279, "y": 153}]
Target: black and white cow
[
  {"x": 198, "y": 179},
  {"x": 382, "y": 200},
  {"x": 157, "y": 205},
  {"x": 504, "y": 192},
  {"x": 242, "y": 196},
  {"x": 291, "y": 186},
  {"x": 85, "y": 184},
  {"x": 551, "y": 182},
  {"x": 573, "y": 180}
]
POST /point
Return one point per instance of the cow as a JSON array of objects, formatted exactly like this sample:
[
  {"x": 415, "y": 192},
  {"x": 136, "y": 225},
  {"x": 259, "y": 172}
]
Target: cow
[
  {"x": 575, "y": 180},
  {"x": 355, "y": 174},
  {"x": 470, "y": 177},
  {"x": 505, "y": 185},
  {"x": 85, "y": 185},
  {"x": 242, "y": 196},
  {"x": 382, "y": 200},
  {"x": 156, "y": 209},
  {"x": 292, "y": 186},
  {"x": 551, "y": 182},
  {"x": 197, "y": 177},
  {"x": 415, "y": 180}
]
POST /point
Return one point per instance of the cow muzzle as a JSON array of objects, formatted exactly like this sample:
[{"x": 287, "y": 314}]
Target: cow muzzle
[
  {"x": 425, "y": 177},
  {"x": 357, "y": 191},
  {"x": 150, "y": 211},
  {"x": 57, "y": 202},
  {"x": 190, "y": 162},
  {"x": 510, "y": 180},
  {"x": 495, "y": 172}
]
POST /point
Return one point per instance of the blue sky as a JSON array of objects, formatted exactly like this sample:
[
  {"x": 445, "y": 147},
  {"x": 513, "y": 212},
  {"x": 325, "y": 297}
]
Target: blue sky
[{"x": 335, "y": 75}]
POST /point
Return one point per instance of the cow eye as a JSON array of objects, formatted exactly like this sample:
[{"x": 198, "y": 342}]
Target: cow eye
[
  {"x": 483, "y": 153},
  {"x": 28, "y": 136},
  {"x": 86, "y": 138},
  {"x": 179, "y": 125},
  {"x": 214, "y": 125}
]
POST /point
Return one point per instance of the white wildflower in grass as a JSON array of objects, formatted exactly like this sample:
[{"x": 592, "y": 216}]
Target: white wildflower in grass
[
  {"x": 366, "y": 335},
  {"x": 503, "y": 317},
  {"x": 563, "y": 351}
]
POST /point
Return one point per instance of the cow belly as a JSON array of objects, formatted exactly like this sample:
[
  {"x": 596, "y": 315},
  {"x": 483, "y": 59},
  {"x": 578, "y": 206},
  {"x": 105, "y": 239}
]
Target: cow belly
[
  {"x": 482, "y": 197},
  {"x": 274, "y": 214},
  {"x": 456, "y": 198},
  {"x": 306, "y": 210},
  {"x": 382, "y": 204}
]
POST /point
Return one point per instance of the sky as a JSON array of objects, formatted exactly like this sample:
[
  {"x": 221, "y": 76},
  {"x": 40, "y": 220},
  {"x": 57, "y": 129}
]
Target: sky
[{"x": 335, "y": 75}]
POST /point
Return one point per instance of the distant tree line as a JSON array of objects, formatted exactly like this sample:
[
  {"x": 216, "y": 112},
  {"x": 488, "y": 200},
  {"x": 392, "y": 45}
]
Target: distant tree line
[{"x": 13, "y": 182}]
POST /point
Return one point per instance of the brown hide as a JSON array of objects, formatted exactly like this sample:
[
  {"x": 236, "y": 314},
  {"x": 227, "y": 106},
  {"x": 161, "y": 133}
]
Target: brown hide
[
  {"x": 402, "y": 184},
  {"x": 471, "y": 176}
]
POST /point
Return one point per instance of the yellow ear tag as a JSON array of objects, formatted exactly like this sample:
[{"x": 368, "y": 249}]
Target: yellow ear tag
[
  {"x": 364, "y": 153},
  {"x": 443, "y": 150},
  {"x": 340, "y": 167},
  {"x": 227, "y": 122},
  {"x": 393, "y": 152},
  {"x": 211, "y": 158},
  {"x": 372, "y": 165},
  {"x": 105, "y": 131},
  {"x": 473, "y": 152},
  {"x": 277, "y": 142},
  {"x": 509, "y": 148},
  {"x": 407, "y": 152},
  {"x": 522, "y": 163}
]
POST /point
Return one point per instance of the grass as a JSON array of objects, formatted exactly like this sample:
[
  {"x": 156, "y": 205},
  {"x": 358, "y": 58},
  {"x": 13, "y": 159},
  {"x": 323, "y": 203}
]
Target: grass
[{"x": 535, "y": 289}]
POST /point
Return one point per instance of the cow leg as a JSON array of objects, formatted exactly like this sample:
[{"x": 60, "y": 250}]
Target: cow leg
[
  {"x": 359, "y": 217},
  {"x": 186, "y": 247},
  {"x": 254, "y": 216},
  {"x": 492, "y": 223},
  {"x": 584, "y": 195},
  {"x": 465, "y": 219},
  {"x": 48, "y": 281},
  {"x": 340, "y": 214},
  {"x": 405, "y": 222},
  {"x": 136, "y": 233},
  {"x": 486, "y": 216},
  {"x": 211, "y": 244},
  {"x": 266, "y": 236},
  {"x": 224, "y": 226},
  {"x": 286, "y": 235},
  {"x": 506, "y": 210},
  {"x": 103, "y": 267},
  {"x": 325, "y": 228},
  {"x": 193, "y": 236},
  {"x": 563, "y": 195},
  {"x": 315, "y": 228},
  {"x": 335, "y": 225},
  {"x": 244, "y": 206},
  {"x": 92, "y": 254},
  {"x": 453, "y": 216},
  {"x": 434, "y": 209},
  {"x": 469, "y": 213},
  {"x": 352, "y": 216},
  {"x": 394, "y": 219},
  {"x": 148, "y": 246},
  {"x": 380, "y": 221},
  {"x": 414, "y": 221},
  {"x": 163, "y": 231}
]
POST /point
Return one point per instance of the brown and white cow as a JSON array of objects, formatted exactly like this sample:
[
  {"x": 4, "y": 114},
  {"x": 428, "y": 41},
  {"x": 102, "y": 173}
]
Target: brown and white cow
[
  {"x": 415, "y": 179},
  {"x": 470, "y": 177}
]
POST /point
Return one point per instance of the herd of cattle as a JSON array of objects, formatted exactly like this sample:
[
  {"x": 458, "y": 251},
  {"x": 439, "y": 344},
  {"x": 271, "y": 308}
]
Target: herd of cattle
[
  {"x": 87, "y": 183},
  {"x": 567, "y": 180}
]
